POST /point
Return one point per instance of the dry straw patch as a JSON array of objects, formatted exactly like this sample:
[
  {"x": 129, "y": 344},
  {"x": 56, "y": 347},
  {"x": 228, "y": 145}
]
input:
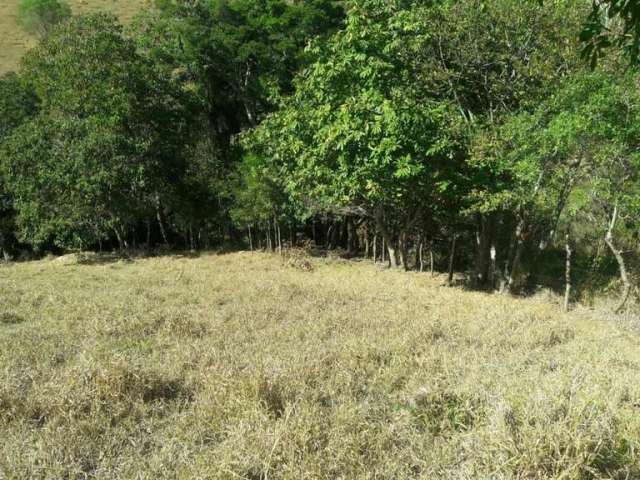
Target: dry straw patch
[
  {"x": 14, "y": 42},
  {"x": 248, "y": 366}
]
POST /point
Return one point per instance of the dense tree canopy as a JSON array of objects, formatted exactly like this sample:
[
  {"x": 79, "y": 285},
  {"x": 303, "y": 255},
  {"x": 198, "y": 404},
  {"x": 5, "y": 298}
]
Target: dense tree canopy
[{"x": 467, "y": 135}]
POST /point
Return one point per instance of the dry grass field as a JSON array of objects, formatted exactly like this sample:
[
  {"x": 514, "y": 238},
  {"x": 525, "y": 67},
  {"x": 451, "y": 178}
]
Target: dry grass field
[
  {"x": 245, "y": 366},
  {"x": 14, "y": 41}
]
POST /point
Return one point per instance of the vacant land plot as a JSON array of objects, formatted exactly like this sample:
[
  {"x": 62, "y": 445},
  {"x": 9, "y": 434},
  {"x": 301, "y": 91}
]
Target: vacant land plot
[
  {"x": 245, "y": 366},
  {"x": 14, "y": 41}
]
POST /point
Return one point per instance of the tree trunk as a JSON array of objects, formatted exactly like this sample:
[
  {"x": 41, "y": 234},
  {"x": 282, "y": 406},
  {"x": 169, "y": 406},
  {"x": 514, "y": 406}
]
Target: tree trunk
[
  {"x": 269, "y": 244},
  {"x": 366, "y": 242},
  {"x": 481, "y": 274},
  {"x": 402, "y": 246},
  {"x": 452, "y": 254},
  {"x": 626, "y": 289},
  {"x": 494, "y": 268},
  {"x": 250, "y": 238},
  {"x": 567, "y": 272},
  {"x": 192, "y": 240},
  {"x": 375, "y": 248},
  {"x": 393, "y": 260},
  {"x": 276, "y": 235},
  {"x": 515, "y": 264},
  {"x": 122, "y": 241},
  {"x": 160, "y": 223},
  {"x": 420, "y": 250}
]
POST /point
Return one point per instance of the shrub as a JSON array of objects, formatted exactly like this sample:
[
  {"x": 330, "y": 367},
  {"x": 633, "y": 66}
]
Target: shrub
[{"x": 39, "y": 16}]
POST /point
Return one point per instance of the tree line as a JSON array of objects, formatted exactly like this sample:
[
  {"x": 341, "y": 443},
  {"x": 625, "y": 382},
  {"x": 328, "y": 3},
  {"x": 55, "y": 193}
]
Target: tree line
[{"x": 492, "y": 137}]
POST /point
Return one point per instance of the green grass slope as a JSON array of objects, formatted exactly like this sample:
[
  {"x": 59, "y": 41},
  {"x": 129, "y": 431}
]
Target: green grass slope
[
  {"x": 14, "y": 41},
  {"x": 247, "y": 366}
]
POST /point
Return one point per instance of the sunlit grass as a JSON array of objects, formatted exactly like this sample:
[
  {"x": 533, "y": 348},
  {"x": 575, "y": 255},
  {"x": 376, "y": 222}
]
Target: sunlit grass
[{"x": 245, "y": 366}]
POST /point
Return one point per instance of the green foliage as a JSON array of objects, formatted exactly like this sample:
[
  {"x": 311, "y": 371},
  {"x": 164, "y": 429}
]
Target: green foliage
[
  {"x": 40, "y": 16},
  {"x": 356, "y": 134},
  {"x": 17, "y": 103},
  {"x": 105, "y": 142}
]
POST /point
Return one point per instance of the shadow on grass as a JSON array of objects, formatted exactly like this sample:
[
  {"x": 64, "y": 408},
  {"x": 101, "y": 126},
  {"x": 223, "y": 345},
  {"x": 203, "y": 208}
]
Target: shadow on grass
[{"x": 10, "y": 318}]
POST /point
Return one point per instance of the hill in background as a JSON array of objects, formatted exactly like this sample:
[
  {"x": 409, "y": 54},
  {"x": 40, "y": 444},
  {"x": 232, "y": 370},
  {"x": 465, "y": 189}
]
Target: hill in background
[{"x": 14, "y": 42}]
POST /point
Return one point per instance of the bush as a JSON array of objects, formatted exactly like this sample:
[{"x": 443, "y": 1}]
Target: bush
[{"x": 39, "y": 16}]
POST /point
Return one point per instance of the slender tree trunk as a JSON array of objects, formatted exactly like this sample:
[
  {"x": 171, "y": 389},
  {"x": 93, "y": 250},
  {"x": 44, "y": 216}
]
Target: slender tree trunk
[
  {"x": 160, "y": 222},
  {"x": 122, "y": 241},
  {"x": 393, "y": 260},
  {"x": 250, "y": 238},
  {"x": 624, "y": 276},
  {"x": 279, "y": 234},
  {"x": 404, "y": 250},
  {"x": 452, "y": 254},
  {"x": 366, "y": 242},
  {"x": 483, "y": 233},
  {"x": 515, "y": 264},
  {"x": 420, "y": 251},
  {"x": 567, "y": 272},
  {"x": 494, "y": 268},
  {"x": 375, "y": 248},
  {"x": 269, "y": 245}
]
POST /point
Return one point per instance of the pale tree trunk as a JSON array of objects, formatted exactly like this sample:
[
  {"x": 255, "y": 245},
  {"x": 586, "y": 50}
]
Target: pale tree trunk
[
  {"x": 404, "y": 250},
  {"x": 419, "y": 254},
  {"x": 269, "y": 244},
  {"x": 567, "y": 272},
  {"x": 120, "y": 235},
  {"x": 366, "y": 242},
  {"x": 493, "y": 269},
  {"x": 624, "y": 276},
  {"x": 375, "y": 248},
  {"x": 276, "y": 234},
  {"x": 393, "y": 260}
]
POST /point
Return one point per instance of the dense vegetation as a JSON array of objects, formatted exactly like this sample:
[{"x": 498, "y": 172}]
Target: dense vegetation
[{"x": 451, "y": 135}]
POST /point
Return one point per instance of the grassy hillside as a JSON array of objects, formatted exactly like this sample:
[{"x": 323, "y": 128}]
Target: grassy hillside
[
  {"x": 242, "y": 366},
  {"x": 14, "y": 42}
]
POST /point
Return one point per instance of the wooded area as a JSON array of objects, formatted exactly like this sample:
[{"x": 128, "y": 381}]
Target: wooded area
[{"x": 498, "y": 138}]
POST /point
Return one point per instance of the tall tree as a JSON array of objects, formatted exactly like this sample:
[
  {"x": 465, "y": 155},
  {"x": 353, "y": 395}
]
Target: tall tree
[{"x": 105, "y": 144}]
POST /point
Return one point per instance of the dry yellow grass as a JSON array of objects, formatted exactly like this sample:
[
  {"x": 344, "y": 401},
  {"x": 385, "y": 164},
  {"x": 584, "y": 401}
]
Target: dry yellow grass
[
  {"x": 14, "y": 42},
  {"x": 245, "y": 366}
]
